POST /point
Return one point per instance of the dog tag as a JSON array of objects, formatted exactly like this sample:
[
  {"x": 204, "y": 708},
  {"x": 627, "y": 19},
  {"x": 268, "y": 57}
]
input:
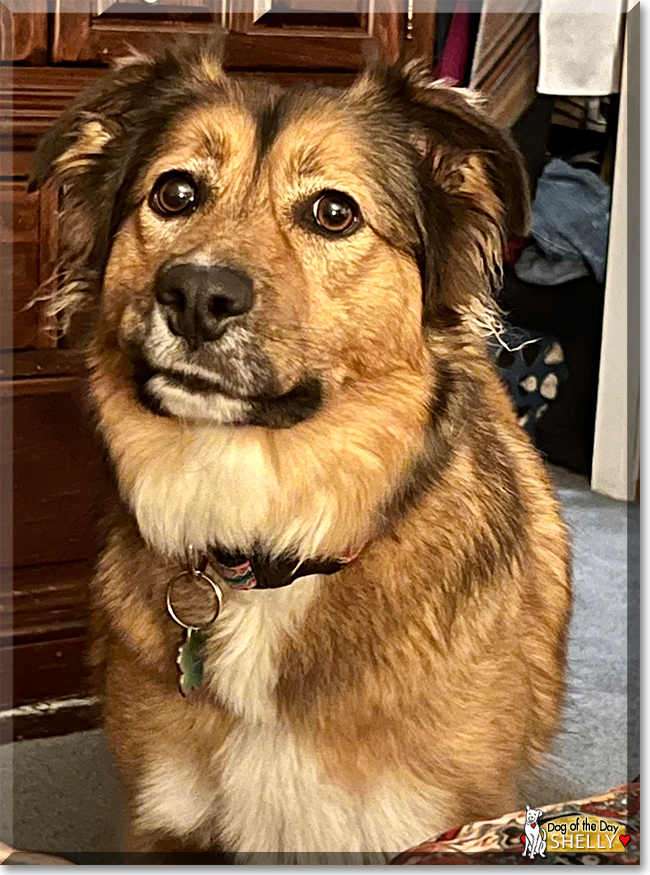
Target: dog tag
[
  {"x": 191, "y": 652},
  {"x": 190, "y": 660}
]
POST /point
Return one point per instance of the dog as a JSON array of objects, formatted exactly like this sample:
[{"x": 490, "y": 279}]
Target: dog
[
  {"x": 535, "y": 836},
  {"x": 333, "y": 543}
]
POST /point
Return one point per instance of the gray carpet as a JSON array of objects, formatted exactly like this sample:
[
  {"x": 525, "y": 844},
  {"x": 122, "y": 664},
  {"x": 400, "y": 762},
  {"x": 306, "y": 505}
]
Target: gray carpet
[
  {"x": 591, "y": 754},
  {"x": 66, "y": 797}
]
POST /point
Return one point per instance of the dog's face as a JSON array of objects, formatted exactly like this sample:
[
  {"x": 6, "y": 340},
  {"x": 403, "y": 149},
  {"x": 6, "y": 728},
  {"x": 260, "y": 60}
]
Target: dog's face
[
  {"x": 257, "y": 270},
  {"x": 533, "y": 814},
  {"x": 256, "y": 251}
]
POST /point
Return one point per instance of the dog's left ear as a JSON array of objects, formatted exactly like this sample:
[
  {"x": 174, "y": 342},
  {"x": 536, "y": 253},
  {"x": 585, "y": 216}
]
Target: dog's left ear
[
  {"x": 468, "y": 153},
  {"x": 474, "y": 188}
]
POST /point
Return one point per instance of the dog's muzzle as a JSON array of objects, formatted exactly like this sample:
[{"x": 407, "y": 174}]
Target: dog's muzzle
[{"x": 199, "y": 356}]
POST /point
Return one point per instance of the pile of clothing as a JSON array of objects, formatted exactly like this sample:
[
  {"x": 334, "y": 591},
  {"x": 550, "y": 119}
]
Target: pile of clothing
[
  {"x": 570, "y": 226},
  {"x": 510, "y": 51}
]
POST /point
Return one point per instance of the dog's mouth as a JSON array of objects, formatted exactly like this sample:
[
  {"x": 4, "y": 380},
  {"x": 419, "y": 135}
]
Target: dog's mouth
[
  {"x": 190, "y": 383},
  {"x": 171, "y": 392}
]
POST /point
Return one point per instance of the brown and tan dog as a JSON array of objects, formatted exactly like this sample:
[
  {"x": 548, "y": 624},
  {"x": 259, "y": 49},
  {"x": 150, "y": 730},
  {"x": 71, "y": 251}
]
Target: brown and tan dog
[{"x": 291, "y": 291}]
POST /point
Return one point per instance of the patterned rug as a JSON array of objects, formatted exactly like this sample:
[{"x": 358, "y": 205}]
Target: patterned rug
[{"x": 501, "y": 841}]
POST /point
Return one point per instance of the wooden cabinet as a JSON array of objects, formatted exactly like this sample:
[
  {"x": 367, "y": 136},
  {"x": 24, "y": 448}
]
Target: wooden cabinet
[
  {"x": 53, "y": 474},
  {"x": 19, "y": 264},
  {"x": 276, "y": 35},
  {"x": 23, "y": 35},
  {"x": 27, "y": 238},
  {"x": 53, "y": 483},
  {"x": 116, "y": 27}
]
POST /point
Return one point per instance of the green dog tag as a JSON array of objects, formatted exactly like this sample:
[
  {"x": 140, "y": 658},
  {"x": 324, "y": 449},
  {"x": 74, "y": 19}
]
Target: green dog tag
[
  {"x": 190, "y": 660},
  {"x": 191, "y": 653}
]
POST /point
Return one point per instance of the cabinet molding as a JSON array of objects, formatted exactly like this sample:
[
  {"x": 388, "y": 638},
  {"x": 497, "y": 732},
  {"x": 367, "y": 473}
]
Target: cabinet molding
[{"x": 23, "y": 35}]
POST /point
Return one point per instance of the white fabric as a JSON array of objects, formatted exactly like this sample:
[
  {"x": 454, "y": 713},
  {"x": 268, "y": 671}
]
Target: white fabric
[{"x": 579, "y": 51}]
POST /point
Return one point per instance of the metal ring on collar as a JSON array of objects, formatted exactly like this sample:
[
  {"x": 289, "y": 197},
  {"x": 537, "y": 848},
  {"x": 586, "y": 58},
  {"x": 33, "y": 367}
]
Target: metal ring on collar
[{"x": 194, "y": 574}]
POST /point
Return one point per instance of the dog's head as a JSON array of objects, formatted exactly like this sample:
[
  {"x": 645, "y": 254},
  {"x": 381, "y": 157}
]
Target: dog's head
[
  {"x": 533, "y": 814},
  {"x": 249, "y": 251}
]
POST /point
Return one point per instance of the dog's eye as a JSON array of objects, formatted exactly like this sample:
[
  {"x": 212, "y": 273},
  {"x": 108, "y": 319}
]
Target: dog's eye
[
  {"x": 335, "y": 213},
  {"x": 174, "y": 193}
]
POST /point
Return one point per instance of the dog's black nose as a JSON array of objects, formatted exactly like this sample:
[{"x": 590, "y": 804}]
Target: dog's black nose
[{"x": 197, "y": 299}]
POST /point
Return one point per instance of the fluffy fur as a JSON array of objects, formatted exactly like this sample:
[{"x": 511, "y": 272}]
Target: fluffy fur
[{"x": 353, "y": 407}]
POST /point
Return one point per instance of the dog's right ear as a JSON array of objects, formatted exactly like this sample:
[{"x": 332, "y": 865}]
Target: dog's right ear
[
  {"x": 87, "y": 153},
  {"x": 106, "y": 134},
  {"x": 79, "y": 137},
  {"x": 103, "y": 110}
]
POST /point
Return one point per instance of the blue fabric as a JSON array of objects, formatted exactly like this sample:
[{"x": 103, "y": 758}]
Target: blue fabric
[
  {"x": 570, "y": 226},
  {"x": 535, "y": 267}
]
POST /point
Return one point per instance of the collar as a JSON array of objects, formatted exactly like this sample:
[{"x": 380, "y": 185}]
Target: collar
[
  {"x": 241, "y": 572},
  {"x": 260, "y": 571}
]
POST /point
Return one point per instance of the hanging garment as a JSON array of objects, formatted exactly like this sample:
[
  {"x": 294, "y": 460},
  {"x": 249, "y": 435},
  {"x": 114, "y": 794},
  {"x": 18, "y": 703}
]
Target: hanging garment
[
  {"x": 581, "y": 113},
  {"x": 506, "y": 57},
  {"x": 580, "y": 52},
  {"x": 454, "y": 56},
  {"x": 443, "y": 23}
]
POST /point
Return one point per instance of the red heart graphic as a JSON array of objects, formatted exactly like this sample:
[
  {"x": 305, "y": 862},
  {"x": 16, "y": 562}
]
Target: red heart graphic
[
  {"x": 523, "y": 838},
  {"x": 624, "y": 840}
]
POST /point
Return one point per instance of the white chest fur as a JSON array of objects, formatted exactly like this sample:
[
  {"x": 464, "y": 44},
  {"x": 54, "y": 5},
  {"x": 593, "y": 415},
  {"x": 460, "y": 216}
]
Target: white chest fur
[
  {"x": 267, "y": 786},
  {"x": 246, "y": 645}
]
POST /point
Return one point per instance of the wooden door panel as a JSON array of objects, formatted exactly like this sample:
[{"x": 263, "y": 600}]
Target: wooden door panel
[
  {"x": 19, "y": 264},
  {"x": 297, "y": 49},
  {"x": 23, "y": 35},
  {"x": 28, "y": 247},
  {"x": 337, "y": 38},
  {"x": 18, "y": 271},
  {"x": 43, "y": 632},
  {"x": 47, "y": 601},
  {"x": 31, "y": 101},
  {"x": 87, "y": 37},
  {"x": 276, "y": 39},
  {"x": 267, "y": 50},
  {"x": 58, "y": 471},
  {"x": 18, "y": 213}
]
